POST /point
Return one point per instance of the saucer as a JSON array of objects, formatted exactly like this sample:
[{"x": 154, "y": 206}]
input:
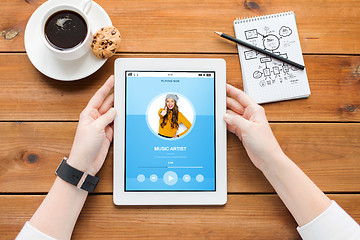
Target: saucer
[{"x": 50, "y": 65}]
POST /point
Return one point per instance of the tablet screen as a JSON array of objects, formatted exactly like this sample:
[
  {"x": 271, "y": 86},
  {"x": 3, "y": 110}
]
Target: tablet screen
[{"x": 170, "y": 131}]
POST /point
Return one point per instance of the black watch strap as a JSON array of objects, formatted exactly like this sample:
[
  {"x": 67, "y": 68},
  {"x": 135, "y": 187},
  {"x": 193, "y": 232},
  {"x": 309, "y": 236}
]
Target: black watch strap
[{"x": 76, "y": 177}]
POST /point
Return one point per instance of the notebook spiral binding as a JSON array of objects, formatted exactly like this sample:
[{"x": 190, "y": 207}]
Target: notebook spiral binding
[{"x": 263, "y": 17}]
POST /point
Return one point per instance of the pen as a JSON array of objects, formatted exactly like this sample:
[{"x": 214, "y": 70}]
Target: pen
[{"x": 260, "y": 50}]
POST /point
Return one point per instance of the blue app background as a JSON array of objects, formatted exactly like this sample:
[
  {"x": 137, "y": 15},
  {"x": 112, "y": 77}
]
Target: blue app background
[{"x": 197, "y": 161}]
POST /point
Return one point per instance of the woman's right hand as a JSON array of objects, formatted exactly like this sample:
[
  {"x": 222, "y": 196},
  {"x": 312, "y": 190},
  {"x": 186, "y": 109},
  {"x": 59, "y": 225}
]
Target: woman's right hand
[
  {"x": 163, "y": 112},
  {"x": 94, "y": 132},
  {"x": 248, "y": 121}
]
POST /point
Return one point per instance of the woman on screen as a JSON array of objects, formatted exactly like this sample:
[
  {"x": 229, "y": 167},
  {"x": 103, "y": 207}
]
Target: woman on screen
[{"x": 171, "y": 117}]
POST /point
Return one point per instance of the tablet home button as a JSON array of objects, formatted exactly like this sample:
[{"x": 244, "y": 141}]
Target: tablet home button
[{"x": 170, "y": 178}]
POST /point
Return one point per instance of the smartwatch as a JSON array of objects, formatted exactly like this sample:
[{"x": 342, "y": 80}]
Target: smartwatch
[{"x": 76, "y": 177}]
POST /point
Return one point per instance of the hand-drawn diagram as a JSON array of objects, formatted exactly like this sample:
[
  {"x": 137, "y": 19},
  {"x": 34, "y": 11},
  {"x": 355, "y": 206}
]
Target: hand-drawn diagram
[{"x": 270, "y": 71}]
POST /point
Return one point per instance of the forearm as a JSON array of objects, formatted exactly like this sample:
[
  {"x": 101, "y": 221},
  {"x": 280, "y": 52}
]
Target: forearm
[
  {"x": 59, "y": 211},
  {"x": 57, "y": 214},
  {"x": 183, "y": 132},
  {"x": 301, "y": 196}
]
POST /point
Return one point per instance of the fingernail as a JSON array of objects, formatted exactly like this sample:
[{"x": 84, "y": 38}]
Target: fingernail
[
  {"x": 112, "y": 110},
  {"x": 226, "y": 116}
]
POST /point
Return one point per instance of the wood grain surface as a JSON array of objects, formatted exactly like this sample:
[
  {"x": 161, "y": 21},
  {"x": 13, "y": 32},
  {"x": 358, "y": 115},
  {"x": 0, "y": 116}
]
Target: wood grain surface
[
  {"x": 38, "y": 118},
  {"x": 328, "y": 153},
  {"x": 26, "y": 94},
  {"x": 329, "y": 26},
  {"x": 243, "y": 217}
]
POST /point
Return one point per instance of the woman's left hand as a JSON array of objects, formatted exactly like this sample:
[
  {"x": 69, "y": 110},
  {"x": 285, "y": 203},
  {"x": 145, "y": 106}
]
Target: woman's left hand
[{"x": 94, "y": 132}]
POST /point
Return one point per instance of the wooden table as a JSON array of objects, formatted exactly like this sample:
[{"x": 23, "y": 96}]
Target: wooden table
[{"x": 38, "y": 118}]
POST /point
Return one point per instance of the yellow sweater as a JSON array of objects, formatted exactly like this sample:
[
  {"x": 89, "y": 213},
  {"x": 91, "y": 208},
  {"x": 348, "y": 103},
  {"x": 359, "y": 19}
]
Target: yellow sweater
[{"x": 167, "y": 130}]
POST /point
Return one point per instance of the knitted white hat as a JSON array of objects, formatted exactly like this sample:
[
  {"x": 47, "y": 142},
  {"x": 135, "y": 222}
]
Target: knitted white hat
[{"x": 173, "y": 96}]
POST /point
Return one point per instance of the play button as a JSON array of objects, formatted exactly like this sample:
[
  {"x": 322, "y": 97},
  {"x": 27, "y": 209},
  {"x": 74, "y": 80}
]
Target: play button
[{"x": 170, "y": 178}]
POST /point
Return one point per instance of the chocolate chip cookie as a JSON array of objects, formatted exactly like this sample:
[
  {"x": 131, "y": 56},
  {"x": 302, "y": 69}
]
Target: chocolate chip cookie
[{"x": 105, "y": 42}]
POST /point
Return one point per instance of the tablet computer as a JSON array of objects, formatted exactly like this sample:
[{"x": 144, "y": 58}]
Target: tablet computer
[{"x": 169, "y": 132}]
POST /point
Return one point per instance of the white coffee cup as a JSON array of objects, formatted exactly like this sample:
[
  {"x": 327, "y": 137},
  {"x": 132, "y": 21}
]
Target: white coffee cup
[{"x": 81, "y": 49}]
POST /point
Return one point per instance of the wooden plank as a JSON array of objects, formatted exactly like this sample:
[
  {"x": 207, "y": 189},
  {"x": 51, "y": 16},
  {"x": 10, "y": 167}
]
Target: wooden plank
[
  {"x": 26, "y": 94},
  {"x": 187, "y": 26},
  {"x": 328, "y": 153},
  {"x": 243, "y": 217}
]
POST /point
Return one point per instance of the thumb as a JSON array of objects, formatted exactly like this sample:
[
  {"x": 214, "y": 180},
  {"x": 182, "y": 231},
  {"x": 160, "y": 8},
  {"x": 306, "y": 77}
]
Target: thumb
[
  {"x": 106, "y": 118},
  {"x": 236, "y": 120}
]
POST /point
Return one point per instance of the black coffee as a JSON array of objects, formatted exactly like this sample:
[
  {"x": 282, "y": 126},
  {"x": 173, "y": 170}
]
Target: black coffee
[{"x": 65, "y": 30}]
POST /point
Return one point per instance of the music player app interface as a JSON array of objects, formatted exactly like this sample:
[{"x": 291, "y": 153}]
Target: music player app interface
[{"x": 170, "y": 131}]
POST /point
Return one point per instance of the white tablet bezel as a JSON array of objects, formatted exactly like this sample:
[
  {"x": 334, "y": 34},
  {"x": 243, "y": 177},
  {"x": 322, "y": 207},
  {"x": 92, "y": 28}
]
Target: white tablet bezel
[{"x": 218, "y": 197}]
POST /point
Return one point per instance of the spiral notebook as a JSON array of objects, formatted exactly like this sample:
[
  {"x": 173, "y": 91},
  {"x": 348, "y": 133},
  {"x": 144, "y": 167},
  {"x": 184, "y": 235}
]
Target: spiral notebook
[{"x": 266, "y": 79}]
